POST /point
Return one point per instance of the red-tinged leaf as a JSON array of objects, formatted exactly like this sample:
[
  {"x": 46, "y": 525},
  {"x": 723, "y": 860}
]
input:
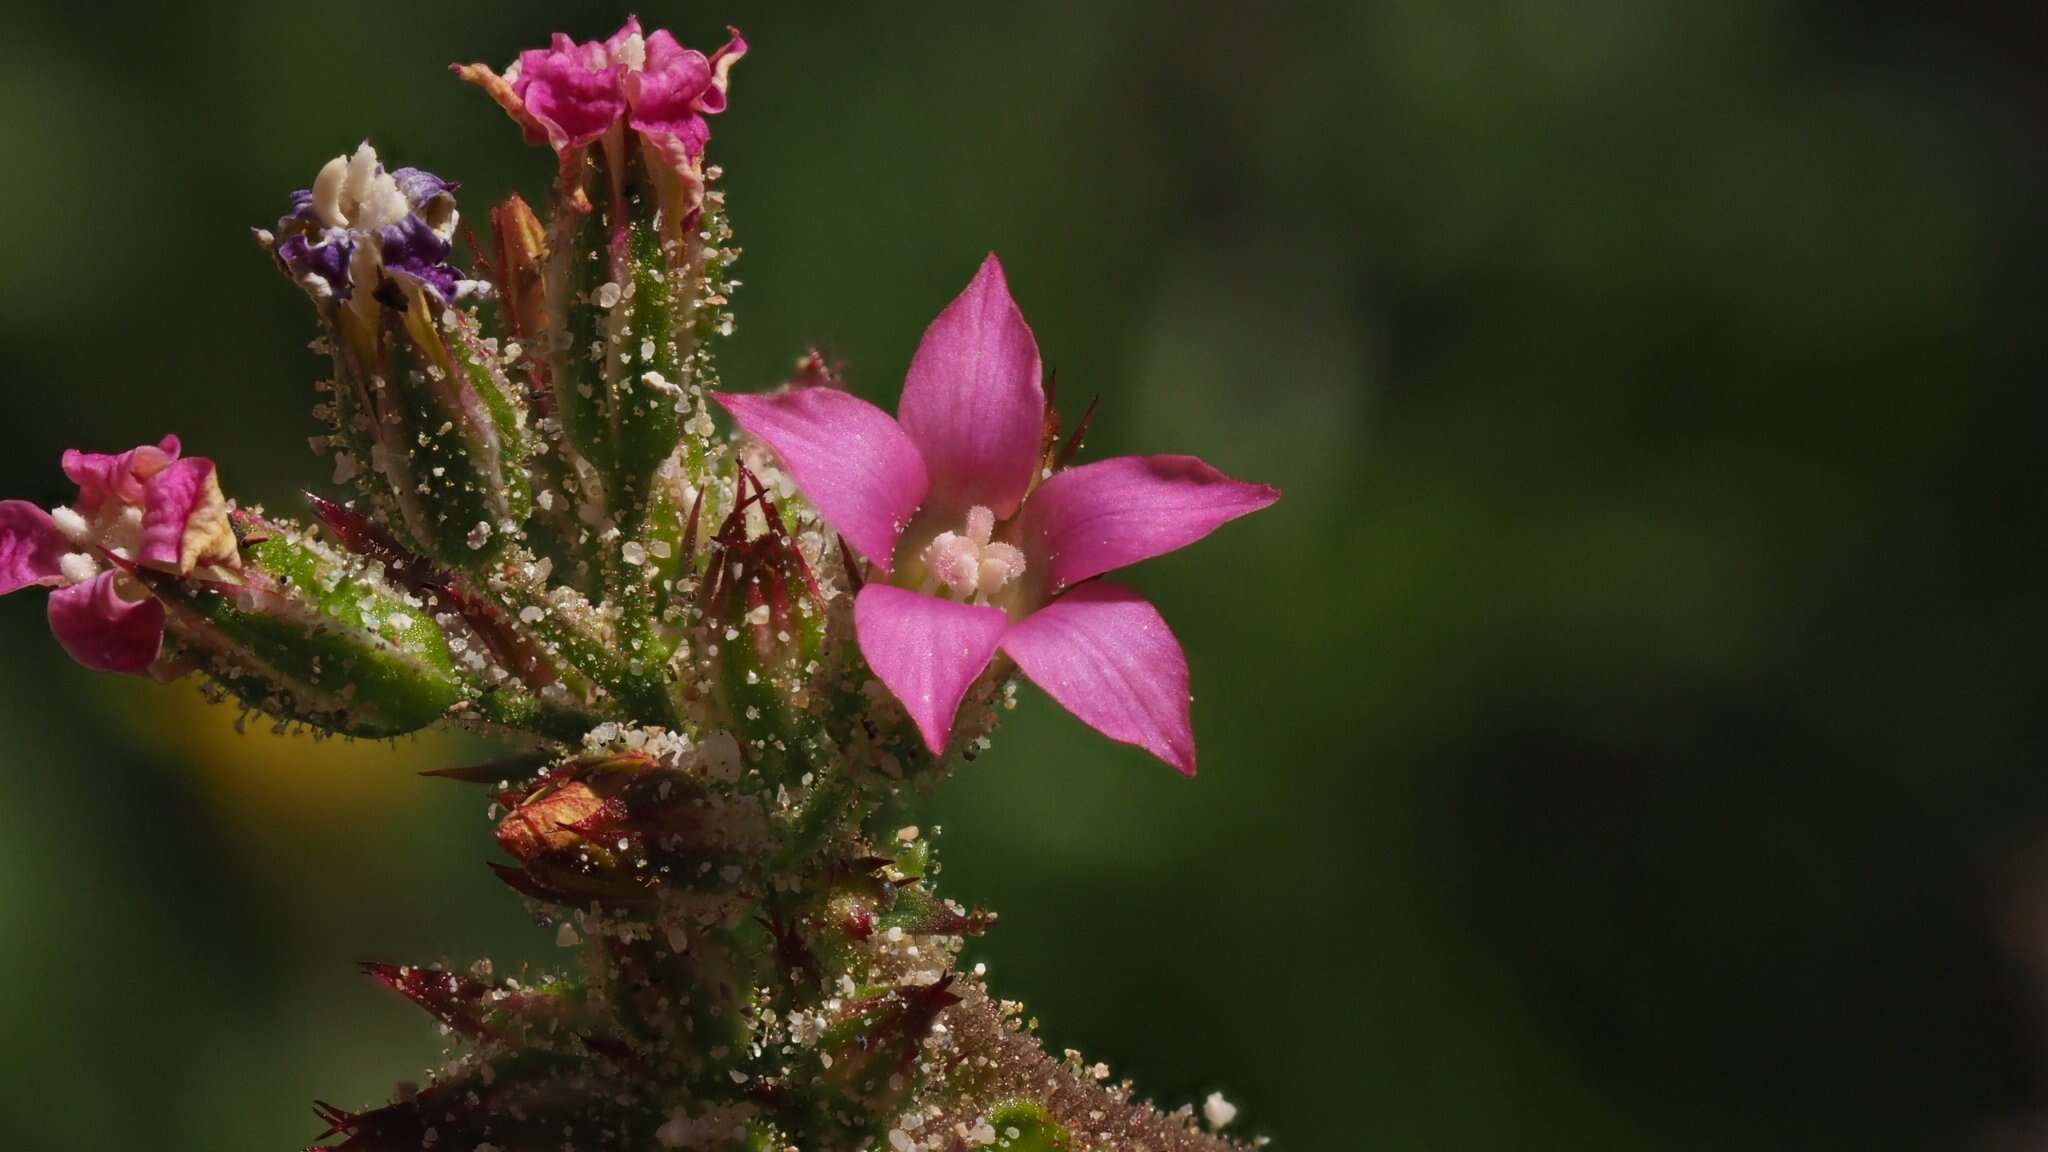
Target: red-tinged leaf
[
  {"x": 1073, "y": 444},
  {"x": 365, "y": 537},
  {"x": 493, "y": 771},
  {"x": 339, "y": 1121},
  {"x": 690, "y": 533},
  {"x": 1049, "y": 434},
  {"x": 450, "y": 997},
  {"x": 519, "y": 881},
  {"x": 854, "y": 579}
]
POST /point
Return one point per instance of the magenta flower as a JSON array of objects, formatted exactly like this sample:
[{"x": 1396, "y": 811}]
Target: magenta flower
[
  {"x": 669, "y": 89},
  {"x": 143, "y": 507},
  {"x": 569, "y": 95},
  {"x": 980, "y": 549}
]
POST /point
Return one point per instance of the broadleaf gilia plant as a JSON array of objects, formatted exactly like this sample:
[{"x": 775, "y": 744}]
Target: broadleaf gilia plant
[{"x": 722, "y": 658}]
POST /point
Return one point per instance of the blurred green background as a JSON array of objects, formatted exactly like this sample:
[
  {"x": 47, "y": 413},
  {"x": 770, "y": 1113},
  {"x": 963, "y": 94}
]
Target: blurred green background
[{"x": 1623, "y": 735}]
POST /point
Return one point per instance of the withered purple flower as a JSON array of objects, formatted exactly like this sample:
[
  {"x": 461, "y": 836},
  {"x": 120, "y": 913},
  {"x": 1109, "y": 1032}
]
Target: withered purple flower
[{"x": 359, "y": 224}]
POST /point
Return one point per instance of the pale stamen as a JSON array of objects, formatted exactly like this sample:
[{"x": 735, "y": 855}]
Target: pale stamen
[
  {"x": 77, "y": 568},
  {"x": 971, "y": 566},
  {"x": 116, "y": 528}
]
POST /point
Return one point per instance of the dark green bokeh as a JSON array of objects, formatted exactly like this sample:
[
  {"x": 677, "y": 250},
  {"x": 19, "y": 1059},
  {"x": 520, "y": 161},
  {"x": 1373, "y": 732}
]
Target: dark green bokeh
[{"x": 1623, "y": 734}]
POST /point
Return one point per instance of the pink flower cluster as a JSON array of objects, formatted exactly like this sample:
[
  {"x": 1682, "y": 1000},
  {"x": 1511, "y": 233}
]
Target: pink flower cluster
[
  {"x": 146, "y": 507},
  {"x": 980, "y": 550},
  {"x": 569, "y": 95}
]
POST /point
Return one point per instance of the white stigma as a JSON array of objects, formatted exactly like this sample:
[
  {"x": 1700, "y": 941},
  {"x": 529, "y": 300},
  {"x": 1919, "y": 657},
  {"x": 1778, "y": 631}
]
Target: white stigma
[
  {"x": 971, "y": 566},
  {"x": 356, "y": 192}
]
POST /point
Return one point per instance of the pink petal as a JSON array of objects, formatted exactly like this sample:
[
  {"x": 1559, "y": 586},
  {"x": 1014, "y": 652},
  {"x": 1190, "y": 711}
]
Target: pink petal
[
  {"x": 571, "y": 90},
  {"x": 30, "y": 546},
  {"x": 1099, "y": 517},
  {"x": 722, "y": 61},
  {"x": 185, "y": 519},
  {"x": 666, "y": 97},
  {"x": 927, "y": 651},
  {"x": 850, "y": 460},
  {"x": 102, "y": 476},
  {"x": 665, "y": 55},
  {"x": 972, "y": 401},
  {"x": 1107, "y": 657},
  {"x": 104, "y": 632}
]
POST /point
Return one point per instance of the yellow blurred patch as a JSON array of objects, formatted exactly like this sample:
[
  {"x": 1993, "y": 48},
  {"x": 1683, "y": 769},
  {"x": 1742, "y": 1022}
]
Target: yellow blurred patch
[{"x": 252, "y": 765}]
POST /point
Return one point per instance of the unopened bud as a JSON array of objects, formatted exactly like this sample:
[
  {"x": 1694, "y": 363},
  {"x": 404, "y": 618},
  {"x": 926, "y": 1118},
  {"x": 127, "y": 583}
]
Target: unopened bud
[
  {"x": 616, "y": 827},
  {"x": 522, "y": 259}
]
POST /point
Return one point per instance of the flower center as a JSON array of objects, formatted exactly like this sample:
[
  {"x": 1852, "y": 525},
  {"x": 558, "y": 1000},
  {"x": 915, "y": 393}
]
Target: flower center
[
  {"x": 117, "y": 528},
  {"x": 970, "y": 566}
]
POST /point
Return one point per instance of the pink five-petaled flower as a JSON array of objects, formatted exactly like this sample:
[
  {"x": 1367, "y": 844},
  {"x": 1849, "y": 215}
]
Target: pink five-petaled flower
[
  {"x": 569, "y": 95},
  {"x": 144, "y": 507},
  {"x": 946, "y": 502}
]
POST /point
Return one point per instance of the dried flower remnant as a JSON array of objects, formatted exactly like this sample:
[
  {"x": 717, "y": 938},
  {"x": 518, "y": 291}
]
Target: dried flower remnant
[
  {"x": 359, "y": 226},
  {"x": 723, "y": 660}
]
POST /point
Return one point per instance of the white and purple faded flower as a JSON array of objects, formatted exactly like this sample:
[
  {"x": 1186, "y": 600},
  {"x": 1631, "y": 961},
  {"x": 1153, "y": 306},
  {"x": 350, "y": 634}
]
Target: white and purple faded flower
[
  {"x": 980, "y": 549},
  {"x": 145, "y": 507},
  {"x": 359, "y": 223}
]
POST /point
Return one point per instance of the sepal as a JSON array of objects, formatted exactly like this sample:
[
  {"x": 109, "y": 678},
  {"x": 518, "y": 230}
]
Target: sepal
[
  {"x": 430, "y": 427},
  {"x": 311, "y": 636}
]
